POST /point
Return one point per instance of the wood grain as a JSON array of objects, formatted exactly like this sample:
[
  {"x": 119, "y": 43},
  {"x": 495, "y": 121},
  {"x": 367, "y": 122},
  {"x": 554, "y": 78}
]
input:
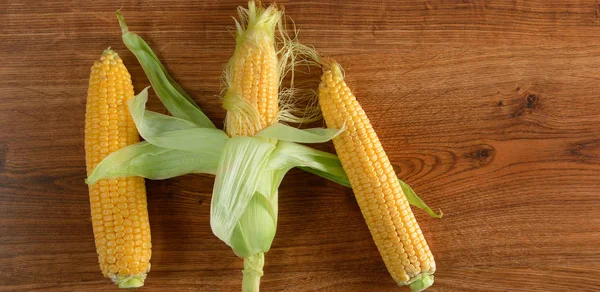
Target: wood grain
[{"x": 489, "y": 109}]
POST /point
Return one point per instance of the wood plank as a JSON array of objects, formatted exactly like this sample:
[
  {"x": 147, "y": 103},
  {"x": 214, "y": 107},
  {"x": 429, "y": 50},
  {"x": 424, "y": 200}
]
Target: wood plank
[{"x": 489, "y": 109}]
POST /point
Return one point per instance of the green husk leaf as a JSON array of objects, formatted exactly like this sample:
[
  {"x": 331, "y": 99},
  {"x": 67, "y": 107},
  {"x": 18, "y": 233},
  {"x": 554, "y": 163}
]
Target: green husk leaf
[
  {"x": 414, "y": 200},
  {"x": 269, "y": 188},
  {"x": 154, "y": 162},
  {"x": 196, "y": 139},
  {"x": 288, "y": 155},
  {"x": 328, "y": 166},
  {"x": 256, "y": 228},
  {"x": 236, "y": 182},
  {"x": 150, "y": 122},
  {"x": 327, "y": 175},
  {"x": 170, "y": 132},
  {"x": 175, "y": 99},
  {"x": 286, "y": 133}
]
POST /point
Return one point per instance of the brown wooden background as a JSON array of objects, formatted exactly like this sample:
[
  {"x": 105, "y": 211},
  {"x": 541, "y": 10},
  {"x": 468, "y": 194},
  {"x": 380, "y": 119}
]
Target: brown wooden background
[{"x": 490, "y": 109}]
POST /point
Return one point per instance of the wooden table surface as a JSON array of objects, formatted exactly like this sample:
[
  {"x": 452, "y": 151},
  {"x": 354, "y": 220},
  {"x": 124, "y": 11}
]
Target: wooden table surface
[{"x": 489, "y": 109}]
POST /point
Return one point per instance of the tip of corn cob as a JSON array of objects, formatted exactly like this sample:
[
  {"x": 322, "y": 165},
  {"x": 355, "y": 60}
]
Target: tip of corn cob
[
  {"x": 334, "y": 67},
  {"x": 109, "y": 51},
  {"x": 257, "y": 21}
]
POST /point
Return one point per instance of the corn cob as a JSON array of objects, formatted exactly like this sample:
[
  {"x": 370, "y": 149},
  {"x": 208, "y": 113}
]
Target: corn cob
[
  {"x": 118, "y": 206},
  {"x": 252, "y": 103},
  {"x": 378, "y": 192},
  {"x": 252, "y": 75}
]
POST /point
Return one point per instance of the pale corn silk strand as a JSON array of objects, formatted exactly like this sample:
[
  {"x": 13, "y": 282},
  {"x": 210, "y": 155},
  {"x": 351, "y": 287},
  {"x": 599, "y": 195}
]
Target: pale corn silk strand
[
  {"x": 383, "y": 204},
  {"x": 118, "y": 206}
]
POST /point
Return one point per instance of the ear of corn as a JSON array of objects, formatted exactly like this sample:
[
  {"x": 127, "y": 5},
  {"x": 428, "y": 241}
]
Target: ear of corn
[
  {"x": 119, "y": 211},
  {"x": 252, "y": 75},
  {"x": 245, "y": 218},
  {"x": 378, "y": 192}
]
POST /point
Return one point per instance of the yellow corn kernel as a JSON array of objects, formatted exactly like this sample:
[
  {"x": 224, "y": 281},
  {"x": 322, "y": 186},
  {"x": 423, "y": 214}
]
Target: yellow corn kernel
[
  {"x": 383, "y": 204},
  {"x": 252, "y": 76},
  {"x": 108, "y": 127}
]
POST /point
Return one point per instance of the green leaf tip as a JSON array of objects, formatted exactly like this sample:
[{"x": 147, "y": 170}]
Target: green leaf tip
[
  {"x": 109, "y": 50},
  {"x": 421, "y": 283},
  {"x": 414, "y": 200},
  {"x": 122, "y": 23}
]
